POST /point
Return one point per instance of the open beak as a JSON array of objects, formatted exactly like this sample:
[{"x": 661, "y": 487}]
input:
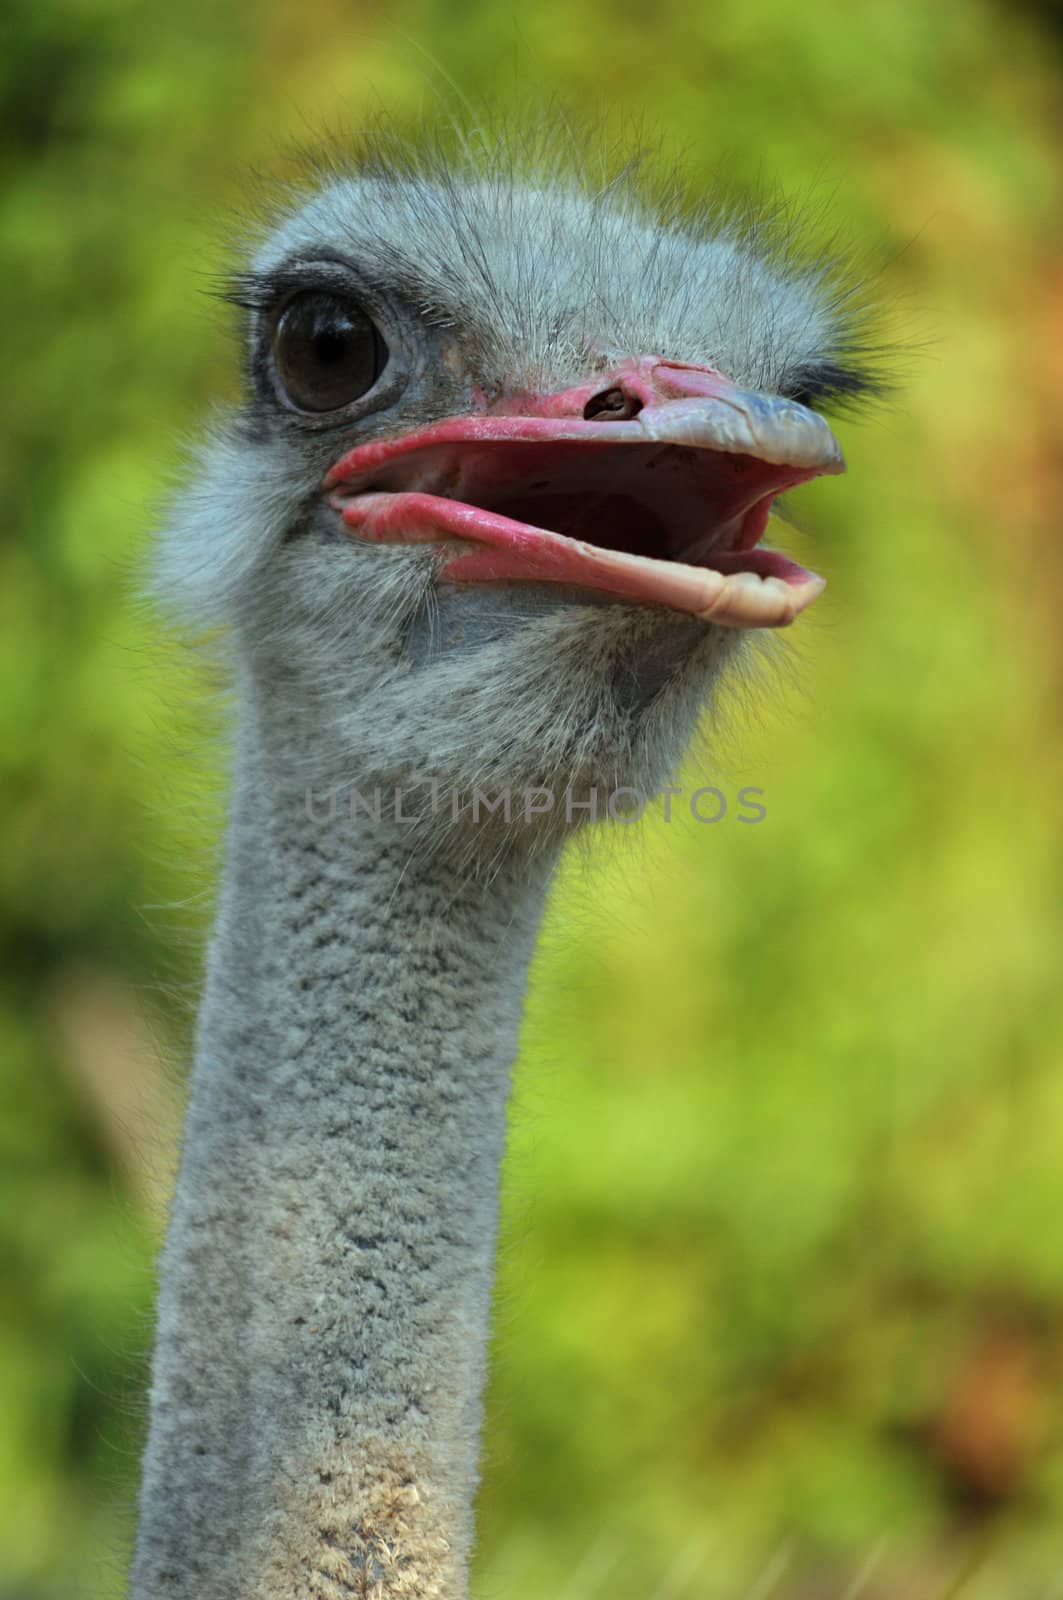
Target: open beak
[{"x": 654, "y": 484}]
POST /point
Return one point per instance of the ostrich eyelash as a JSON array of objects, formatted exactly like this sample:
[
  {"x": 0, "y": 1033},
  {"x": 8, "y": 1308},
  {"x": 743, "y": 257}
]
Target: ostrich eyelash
[
  {"x": 260, "y": 292},
  {"x": 830, "y": 385}
]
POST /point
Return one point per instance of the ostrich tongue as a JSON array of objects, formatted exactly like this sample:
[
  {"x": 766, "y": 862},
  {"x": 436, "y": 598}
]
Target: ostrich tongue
[{"x": 665, "y": 505}]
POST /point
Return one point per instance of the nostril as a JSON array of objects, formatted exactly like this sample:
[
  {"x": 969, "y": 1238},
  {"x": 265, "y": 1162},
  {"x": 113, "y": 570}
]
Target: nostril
[{"x": 612, "y": 405}]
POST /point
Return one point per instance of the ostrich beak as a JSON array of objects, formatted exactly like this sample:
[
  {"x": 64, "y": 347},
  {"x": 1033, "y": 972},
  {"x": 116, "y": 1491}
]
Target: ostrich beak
[{"x": 655, "y": 484}]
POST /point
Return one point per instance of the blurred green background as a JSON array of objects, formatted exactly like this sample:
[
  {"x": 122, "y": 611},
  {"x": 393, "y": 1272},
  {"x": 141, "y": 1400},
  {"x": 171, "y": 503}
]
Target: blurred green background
[{"x": 781, "y": 1299}]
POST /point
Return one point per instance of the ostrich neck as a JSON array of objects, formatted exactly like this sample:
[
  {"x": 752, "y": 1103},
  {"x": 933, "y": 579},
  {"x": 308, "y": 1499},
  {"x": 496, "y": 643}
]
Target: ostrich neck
[{"x": 325, "y": 1283}]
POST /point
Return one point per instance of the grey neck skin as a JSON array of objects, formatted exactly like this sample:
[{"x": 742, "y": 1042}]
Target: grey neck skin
[{"x": 325, "y": 1283}]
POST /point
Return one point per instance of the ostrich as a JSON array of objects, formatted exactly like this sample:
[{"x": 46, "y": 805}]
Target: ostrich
[{"x": 485, "y": 526}]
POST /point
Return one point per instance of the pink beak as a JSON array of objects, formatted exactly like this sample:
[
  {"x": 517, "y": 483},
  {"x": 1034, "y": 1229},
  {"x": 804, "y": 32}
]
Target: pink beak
[{"x": 654, "y": 484}]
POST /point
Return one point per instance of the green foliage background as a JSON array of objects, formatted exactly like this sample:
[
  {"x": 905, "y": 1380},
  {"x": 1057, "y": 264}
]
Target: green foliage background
[{"x": 781, "y": 1300}]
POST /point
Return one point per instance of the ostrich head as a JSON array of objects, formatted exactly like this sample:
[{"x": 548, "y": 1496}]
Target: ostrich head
[{"x": 493, "y": 502}]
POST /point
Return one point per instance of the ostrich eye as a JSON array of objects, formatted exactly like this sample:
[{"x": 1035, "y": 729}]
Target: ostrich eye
[{"x": 326, "y": 352}]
